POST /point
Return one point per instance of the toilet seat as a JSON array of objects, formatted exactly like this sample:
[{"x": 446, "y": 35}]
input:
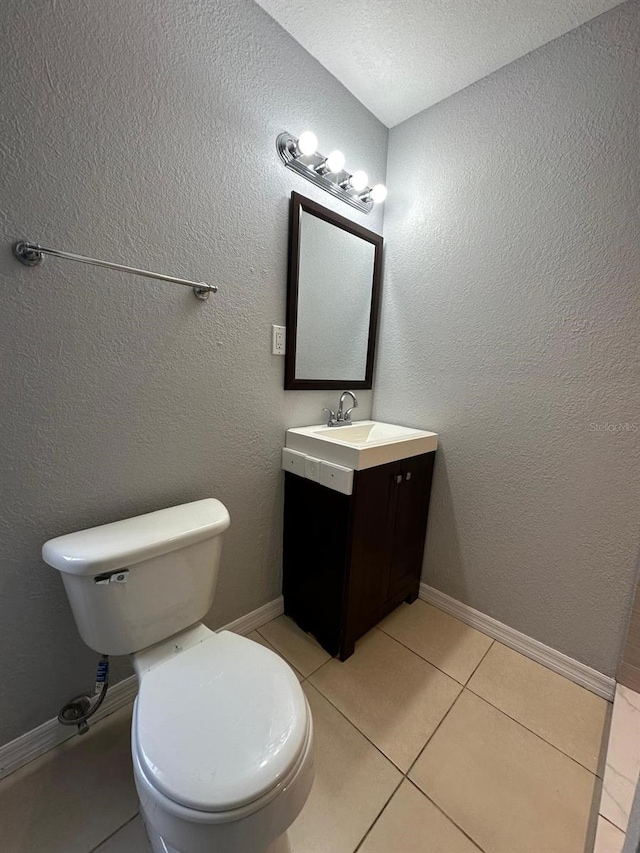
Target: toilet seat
[{"x": 219, "y": 725}]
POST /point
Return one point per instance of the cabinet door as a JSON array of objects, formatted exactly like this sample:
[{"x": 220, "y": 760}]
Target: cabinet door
[
  {"x": 316, "y": 535},
  {"x": 410, "y": 522},
  {"x": 372, "y": 536}
]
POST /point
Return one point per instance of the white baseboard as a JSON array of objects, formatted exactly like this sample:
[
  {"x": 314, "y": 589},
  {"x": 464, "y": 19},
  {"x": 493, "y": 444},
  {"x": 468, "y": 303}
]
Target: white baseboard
[
  {"x": 580, "y": 673},
  {"x": 247, "y": 624},
  {"x": 36, "y": 742}
]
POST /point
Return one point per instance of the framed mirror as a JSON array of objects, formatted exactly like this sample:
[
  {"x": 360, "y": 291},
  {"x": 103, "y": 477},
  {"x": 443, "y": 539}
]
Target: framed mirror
[{"x": 335, "y": 270}]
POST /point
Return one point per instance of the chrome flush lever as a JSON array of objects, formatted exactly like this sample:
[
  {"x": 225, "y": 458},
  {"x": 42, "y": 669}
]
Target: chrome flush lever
[{"x": 119, "y": 576}]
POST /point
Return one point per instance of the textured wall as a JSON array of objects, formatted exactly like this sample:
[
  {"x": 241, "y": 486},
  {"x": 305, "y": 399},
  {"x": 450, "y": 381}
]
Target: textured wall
[
  {"x": 145, "y": 132},
  {"x": 511, "y": 326}
]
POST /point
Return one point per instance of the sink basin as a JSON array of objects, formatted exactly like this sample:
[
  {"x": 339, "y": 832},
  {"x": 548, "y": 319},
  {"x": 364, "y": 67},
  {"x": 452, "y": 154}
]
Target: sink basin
[{"x": 362, "y": 444}]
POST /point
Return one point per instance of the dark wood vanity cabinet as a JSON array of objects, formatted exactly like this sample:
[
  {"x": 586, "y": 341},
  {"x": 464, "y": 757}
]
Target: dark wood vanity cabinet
[{"x": 351, "y": 559}]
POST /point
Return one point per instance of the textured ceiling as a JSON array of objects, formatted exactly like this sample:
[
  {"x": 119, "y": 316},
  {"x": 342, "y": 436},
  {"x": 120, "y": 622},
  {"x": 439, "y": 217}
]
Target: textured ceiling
[{"x": 401, "y": 56}]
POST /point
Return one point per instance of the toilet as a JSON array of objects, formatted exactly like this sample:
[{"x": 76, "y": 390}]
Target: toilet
[{"x": 222, "y": 733}]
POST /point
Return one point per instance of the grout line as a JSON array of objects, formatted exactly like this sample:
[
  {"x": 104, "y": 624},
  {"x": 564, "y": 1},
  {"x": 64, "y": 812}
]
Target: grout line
[
  {"x": 324, "y": 663},
  {"x": 573, "y": 670},
  {"x": 400, "y": 643},
  {"x": 448, "y": 817},
  {"x": 351, "y": 722},
  {"x": 491, "y": 644},
  {"x": 272, "y": 648},
  {"x": 379, "y": 815},
  {"x": 463, "y": 686},
  {"x": 466, "y": 687},
  {"x": 391, "y": 637},
  {"x": 285, "y": 658},
  {"x": 115, "y": 831},
  {"x": 360, "y": 732},
  {"x": 404, "y": 773},
  {"x": 611, "y": 823},
  {"x": 432, "y": 735},
  {"x": 535, "y": 734}
]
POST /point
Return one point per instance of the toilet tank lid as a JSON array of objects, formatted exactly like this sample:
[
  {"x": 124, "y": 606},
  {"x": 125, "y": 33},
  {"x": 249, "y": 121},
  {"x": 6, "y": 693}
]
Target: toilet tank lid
[{"x": 132, "y": 540}]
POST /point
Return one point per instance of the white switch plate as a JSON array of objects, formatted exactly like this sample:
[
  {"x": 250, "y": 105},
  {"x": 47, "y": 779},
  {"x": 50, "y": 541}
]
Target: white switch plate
[{"x": 278, "y": 340}]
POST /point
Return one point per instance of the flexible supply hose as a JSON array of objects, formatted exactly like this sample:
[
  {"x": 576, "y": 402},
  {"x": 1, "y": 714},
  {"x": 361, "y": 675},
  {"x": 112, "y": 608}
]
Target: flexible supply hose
[{"x": 81, "y": 708}]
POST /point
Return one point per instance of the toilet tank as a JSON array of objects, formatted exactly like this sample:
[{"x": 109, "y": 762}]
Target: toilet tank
[{"x": 135, "y": 582}]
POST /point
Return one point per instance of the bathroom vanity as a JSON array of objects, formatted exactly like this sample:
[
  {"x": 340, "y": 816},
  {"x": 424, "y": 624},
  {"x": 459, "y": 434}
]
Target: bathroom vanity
[{"x": 355, "y": 520}]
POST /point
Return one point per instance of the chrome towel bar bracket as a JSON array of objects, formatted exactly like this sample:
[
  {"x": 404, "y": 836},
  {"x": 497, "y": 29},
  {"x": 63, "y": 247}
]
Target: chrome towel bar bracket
[{"x": 31, "y": 254}]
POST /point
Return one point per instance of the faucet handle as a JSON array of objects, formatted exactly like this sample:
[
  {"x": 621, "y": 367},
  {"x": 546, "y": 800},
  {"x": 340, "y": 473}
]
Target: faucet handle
[
  {"x": 347, "y": 414},
  {"x": 332, "y": 416}
]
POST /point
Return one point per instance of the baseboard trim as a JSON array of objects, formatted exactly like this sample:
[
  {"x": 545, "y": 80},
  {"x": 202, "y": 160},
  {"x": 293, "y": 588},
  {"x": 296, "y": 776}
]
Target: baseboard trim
[
  {"x": 247, "y": 624},
  {"x": 36, "y": 742},
  {"x": 580, "y": 673}
]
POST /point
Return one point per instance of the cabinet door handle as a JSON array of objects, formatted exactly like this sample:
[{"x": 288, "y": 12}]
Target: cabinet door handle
[
  {"x": 408, "y": 475},
  {"x": 398, "y": 478}
]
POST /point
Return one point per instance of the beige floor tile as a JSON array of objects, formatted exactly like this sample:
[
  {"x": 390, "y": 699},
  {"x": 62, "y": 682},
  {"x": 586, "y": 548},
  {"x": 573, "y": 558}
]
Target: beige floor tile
[
  {"x": 609, "y": 839},
  {"x": 132, "y": 838},
  {"x": 412, "y": 824},
  {"x": 258, "y": 638},
  {"x": 503, "y": 785},
  {"x": 447, "y": 643},
  {"x": 299, "y": 649},
  {"x": 623, "y": 758},
  {"x": 393, "y": 696},
  {"x": 353, "y": 783},
  {"x": 561, "y": 712},
  {"x": 72, "y": 798}
]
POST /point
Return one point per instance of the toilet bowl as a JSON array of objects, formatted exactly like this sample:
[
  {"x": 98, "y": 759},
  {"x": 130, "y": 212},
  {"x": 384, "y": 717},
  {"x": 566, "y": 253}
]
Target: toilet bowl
[
  {"x": 221, "y": 744},
  {"x": 222, "y": 734}
]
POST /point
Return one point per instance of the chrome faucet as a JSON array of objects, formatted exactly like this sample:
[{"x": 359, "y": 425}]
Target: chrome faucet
[{"x": 342, "y": 418}]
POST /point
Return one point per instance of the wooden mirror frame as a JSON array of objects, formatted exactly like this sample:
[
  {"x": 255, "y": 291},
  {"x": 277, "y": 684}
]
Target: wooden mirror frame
[{"x": 299, "y": 204}]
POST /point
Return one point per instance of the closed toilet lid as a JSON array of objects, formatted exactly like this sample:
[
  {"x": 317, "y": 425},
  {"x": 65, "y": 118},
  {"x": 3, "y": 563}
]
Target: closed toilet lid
[{"x": 220, "y": 724}]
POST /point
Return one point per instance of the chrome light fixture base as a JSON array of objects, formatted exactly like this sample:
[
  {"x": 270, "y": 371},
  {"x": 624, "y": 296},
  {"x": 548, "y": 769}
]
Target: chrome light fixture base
[{"x": 331, "y": 182}]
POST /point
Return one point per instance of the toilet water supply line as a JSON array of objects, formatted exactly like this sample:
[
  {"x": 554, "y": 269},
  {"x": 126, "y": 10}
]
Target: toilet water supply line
[{"x": 80, "y": 708}]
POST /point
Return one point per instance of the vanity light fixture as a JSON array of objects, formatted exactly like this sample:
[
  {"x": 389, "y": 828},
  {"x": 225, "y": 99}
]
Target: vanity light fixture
[
  {"x": 377, "y": 193},
  {"x": 334, "y": 163},
  {"x": 358, "y": 181},
  {"x": 307, "y": 143},
  {"x": 302, "y": 156}
]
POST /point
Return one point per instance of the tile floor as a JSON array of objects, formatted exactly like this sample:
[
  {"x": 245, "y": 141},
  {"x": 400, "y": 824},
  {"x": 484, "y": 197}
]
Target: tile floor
[
  {"x": 432, "y": 738},
  {"x": 622, "y": 769}
]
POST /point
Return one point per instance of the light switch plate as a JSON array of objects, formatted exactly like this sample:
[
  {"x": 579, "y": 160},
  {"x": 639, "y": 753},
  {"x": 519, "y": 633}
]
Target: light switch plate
[{"x": 278, "y": 340}]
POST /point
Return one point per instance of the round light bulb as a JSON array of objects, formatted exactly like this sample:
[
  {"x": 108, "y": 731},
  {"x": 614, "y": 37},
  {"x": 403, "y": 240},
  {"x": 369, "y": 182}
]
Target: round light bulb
[
  {"x": 379, "y": 193},
  {"x": 359, "y": 180},
  {"x": 336, "y": 161},
  {"x": 307, "y": 143}
]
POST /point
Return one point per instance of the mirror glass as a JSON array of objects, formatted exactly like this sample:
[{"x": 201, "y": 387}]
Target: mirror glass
[
  {"x": 333, "y": 299},
  {"x": 335, "y": 283}
]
